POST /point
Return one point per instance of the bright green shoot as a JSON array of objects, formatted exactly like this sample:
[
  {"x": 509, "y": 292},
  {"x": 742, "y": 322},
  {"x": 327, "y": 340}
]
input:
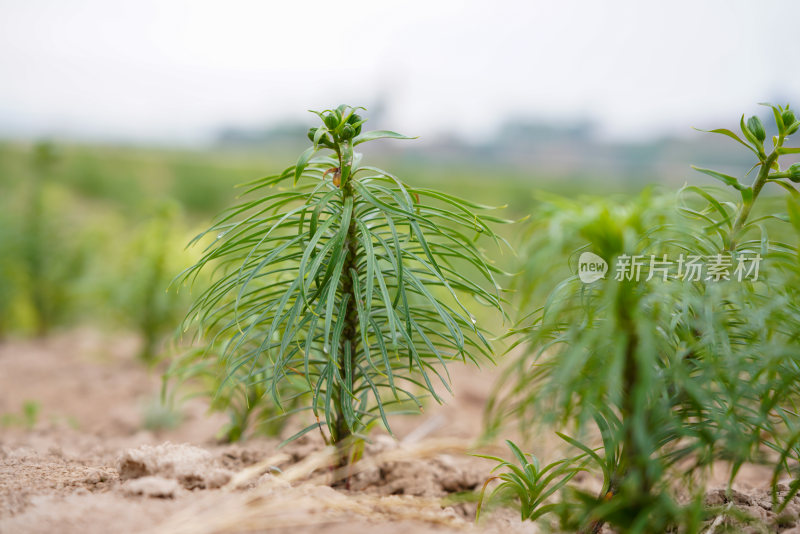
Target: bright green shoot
[
  {"x": 529, "y": 482},
  {"x": 736, "y": 221},
  {"x": 342, "y": 275}
]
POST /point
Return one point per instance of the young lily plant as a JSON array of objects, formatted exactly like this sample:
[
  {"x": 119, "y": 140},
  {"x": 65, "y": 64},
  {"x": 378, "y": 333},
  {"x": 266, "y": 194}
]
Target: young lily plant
[
  {"x": 344, "y": 291},
  {"x": 662, "y": 378}
]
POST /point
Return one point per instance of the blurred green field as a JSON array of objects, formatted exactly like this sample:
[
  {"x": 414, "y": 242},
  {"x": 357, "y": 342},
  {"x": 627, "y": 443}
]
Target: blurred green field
[
  {"x": 92, "y": 234},
  {"x": 95, "y": 234}
]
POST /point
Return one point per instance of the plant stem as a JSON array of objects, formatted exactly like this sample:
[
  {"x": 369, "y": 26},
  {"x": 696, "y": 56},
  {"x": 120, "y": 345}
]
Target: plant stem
[
  {"x": 34, "y": 251},
  {"x": 631, "y": 458},
  {"x": 747, "y": 203},
  {"x": 150, "y": 319},
  {"x": 349, "y": 340}
]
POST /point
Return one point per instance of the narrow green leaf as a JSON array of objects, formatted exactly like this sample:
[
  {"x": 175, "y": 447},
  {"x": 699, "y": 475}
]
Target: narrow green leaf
[
  {"x": 725, "y": 178},
  {"x": 302, "y": 161},
  {"x": 378, "y": 134},
  {"x": 725, "y": 131}
]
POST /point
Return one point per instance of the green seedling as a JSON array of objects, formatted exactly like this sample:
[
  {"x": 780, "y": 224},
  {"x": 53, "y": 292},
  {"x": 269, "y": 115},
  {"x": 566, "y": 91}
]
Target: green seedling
[{"x": 340, "y": 284}]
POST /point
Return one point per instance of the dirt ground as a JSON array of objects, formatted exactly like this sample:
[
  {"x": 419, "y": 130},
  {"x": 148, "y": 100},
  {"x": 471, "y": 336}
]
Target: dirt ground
[{"x": 76, "y": 456}]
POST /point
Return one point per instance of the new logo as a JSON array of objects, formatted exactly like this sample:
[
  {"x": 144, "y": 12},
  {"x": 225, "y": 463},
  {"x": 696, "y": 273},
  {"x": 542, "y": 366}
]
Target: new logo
[{"x": 591, "y": 267}]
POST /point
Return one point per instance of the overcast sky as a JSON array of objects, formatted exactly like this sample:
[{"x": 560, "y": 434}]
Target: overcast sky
[{"x": 174, "y": 71}]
